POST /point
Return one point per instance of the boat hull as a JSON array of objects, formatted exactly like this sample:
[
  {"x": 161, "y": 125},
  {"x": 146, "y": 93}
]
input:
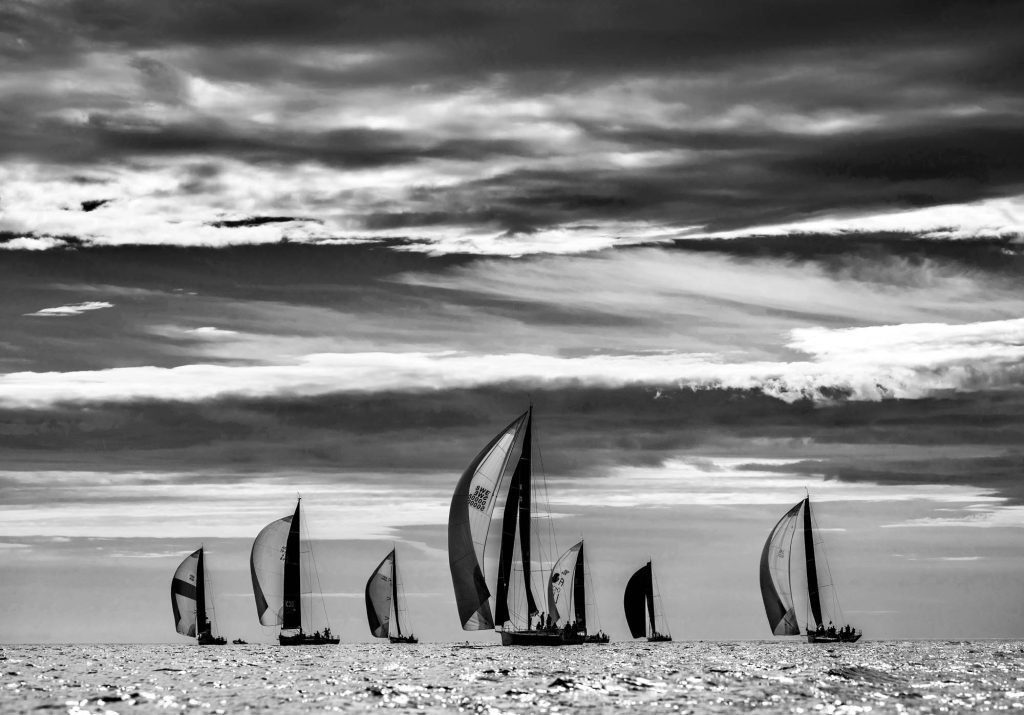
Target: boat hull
[
  {"x": 825, "y": 638},
  {"x": 659, "y": 638},
  {"x": 599, "y": 639},
  {"x": 403, "y": 639},
  {"x": 210, "y": 639},
  {"x": 540, "y": 638},
  {"x": 306, "y": 639}
]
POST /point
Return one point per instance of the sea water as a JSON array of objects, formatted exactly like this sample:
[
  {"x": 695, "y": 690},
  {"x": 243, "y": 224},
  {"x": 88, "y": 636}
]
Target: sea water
[{"x": 875, "y": 676}]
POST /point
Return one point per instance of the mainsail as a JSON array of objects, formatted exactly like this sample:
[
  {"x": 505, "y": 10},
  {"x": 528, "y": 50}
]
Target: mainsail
[
  {"x": 188, "y": 595},
  {"x": 469, "y": 519},
  {"x": 639, "y": 596},
  {"x": 380, "y": 595},
  {"x": 567, "y": 589},
  {"x": 776, "y": 586},
  {"x": 274, "y": 565}
]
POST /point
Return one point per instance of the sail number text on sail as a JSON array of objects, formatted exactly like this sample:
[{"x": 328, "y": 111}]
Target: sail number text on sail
[{"x": 478, "y": 499}]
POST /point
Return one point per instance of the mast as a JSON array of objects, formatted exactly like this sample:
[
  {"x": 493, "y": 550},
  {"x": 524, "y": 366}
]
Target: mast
[
  {"x": 812, "y": 568},
  {"x": 650, "y": 597},
  {"x": 200, "y": 595},
  {"x": 394, "y": 589},
  {"x": 292, "y": 613}
]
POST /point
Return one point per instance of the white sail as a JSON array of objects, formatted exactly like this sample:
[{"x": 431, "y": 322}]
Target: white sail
[
  {"x": 469, "y": 520},
  {"x": 561, "y": 585},
  {"x": 776, "y": 585},
  {"x": 379, "y": 591},
  {"x": 266, "y": 564},
  {"x": 184, "y": 587}
]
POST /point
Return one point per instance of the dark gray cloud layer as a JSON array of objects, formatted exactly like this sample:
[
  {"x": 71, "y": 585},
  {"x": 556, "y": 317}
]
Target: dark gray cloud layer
[{"x": 759, "y": 114}]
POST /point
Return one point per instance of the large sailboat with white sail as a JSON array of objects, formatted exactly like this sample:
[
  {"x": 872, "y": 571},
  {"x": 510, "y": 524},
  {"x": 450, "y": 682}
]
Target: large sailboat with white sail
[
  {"x": 190, "y": 603},
  {"x": 280, "y": 580},
  {"x": 810, "y": 568},
  {"x": 642, "y": 604},
  {"x": 385, "y": 609},
  {"x": 501, "y": 470}
]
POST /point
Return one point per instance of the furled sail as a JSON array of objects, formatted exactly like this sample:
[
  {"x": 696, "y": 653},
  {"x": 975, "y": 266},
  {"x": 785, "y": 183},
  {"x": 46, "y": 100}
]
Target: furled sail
[
  {"x": 776, "y": 588},
  {"x": 566, "y": 579},
  {"x": 379, "y": 596},
  {"x": 639, "y": 597},
  {"x": 188, "y": 597},
  {"x": 469, "y": 519},
  {"x": 266, "y": 564}
]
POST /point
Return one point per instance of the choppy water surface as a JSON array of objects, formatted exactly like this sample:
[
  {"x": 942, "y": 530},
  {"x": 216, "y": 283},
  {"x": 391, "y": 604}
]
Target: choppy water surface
[{"x": 680, "y": 677}]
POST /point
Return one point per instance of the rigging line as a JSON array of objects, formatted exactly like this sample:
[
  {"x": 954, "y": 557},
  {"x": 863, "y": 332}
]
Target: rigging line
[
  {"x": 838, "y": 610},
  {"x": 316, "y": 574},
  {"x": 547, "y": 499}
]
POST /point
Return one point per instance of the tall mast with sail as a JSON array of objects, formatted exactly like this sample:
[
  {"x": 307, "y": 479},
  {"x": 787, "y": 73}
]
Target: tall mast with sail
[
  {"x": 189, "y": 601},
  {"x": 776, "y": 572},
  {"x": 567, "y": 594},
  {"x": 383, "y": 602},
  {"x": 502, "y": 468},
  {"x": 275, "y": 564},
  {"x": 638, "y": 601}
]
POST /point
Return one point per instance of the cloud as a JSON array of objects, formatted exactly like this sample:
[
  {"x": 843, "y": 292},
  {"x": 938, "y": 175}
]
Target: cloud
[
  {"x": 64, "y": 311},
  {"x": 932, "y": 359}
]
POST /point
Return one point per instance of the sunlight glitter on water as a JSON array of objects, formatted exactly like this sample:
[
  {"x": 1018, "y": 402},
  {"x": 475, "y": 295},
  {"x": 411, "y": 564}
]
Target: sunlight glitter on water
[{"x": 898, "y": 677}]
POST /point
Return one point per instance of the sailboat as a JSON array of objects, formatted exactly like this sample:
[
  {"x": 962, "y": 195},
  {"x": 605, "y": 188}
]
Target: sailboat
[
  {"x": 502, "y": 468},
  {"x": 639, "y": 597},
  {"x": 776, "y": 572},
  {"x": 188, "y": 601},
  {"x": 383, "y": 609},
  {"x": 567, "y": 594},
  {"x": 276, "y": 567}
]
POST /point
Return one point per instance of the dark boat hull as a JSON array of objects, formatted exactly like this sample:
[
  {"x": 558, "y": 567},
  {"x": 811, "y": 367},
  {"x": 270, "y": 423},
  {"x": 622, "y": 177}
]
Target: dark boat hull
[
  {"x": 403, "y": 639},
  {"x": 540, "y": 638},
  {"x": 239, "y": 641},
  {"x": 599, "y": 639},
  {"x": 825, "y": 638},
  {"x": 306, "y": 639},
  {"x": 659, "y": 638},
  {"x": 209, "y": 639}
]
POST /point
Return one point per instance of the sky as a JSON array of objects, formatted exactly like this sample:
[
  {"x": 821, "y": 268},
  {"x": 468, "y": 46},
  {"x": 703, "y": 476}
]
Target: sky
[{"x": 731, "y": 254}]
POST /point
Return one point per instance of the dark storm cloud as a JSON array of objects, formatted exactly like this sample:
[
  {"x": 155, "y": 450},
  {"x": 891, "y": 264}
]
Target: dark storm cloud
[
  {"x": 580, "y": 432},
  {"x": 761, "y": 114}
]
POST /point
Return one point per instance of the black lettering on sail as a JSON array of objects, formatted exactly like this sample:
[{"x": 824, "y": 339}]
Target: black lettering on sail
[{"x": 478, "y": 499}]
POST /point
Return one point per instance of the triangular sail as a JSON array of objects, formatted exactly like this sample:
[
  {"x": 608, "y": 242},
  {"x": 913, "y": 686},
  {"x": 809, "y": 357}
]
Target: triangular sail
[
  {"x": 579, "y": 589},
  {"x": 639, "y": 596},
  {"x": 813, "y": 594},
  {"x": 380, "y": 596},
  {"x": 469, "y": 518},
  {"x": 266, "y": 565},
  {"x": 291, "y": 613},
  {"x": 776, "y": 588},
  {"x": 563, "y": 584},
  {"x": 185, "y": 587}
]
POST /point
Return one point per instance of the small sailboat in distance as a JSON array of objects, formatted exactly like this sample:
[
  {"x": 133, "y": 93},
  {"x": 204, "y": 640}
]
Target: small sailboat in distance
[
  {"x": 567, "y": 594},
  {"x": 777, "y": 571},
  {"x": 639, "y": 603},
  {"x": 189, "y": 601},
  {"x": 383, "y": 602},
  {"x": 276, "y": 567}
]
